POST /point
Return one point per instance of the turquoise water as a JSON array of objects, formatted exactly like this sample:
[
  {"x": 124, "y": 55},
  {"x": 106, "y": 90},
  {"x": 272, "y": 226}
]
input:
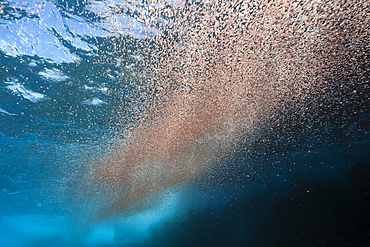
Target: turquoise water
[{"x": 122, "y": 124}]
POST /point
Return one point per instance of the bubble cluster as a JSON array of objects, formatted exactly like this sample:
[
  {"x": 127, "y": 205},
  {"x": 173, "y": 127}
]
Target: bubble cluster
[{"x": 219, "y": 73}]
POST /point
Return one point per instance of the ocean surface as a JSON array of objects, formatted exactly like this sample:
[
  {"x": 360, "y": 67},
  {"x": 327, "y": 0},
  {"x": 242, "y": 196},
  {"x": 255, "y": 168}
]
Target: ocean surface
[{"x": 184, "y": 123}]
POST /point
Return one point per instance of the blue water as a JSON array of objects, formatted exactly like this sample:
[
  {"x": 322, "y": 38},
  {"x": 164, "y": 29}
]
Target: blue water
[{"x": 69, "y": 94}]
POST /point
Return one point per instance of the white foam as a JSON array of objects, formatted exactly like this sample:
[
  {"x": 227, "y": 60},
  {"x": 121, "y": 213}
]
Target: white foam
[
  {"x": 5, "y": 112},
  {"x": 32, "y": 63},
  {"x": 100, "y": 89},
  {"x": 94, "y": 101},
  {"x": 20, "y": 90},
  {"x": 53, "y": 74}
]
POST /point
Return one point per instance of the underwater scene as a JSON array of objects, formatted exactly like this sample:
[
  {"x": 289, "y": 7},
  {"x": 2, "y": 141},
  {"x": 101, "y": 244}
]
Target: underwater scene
[{"x": 147, "y": 123}]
